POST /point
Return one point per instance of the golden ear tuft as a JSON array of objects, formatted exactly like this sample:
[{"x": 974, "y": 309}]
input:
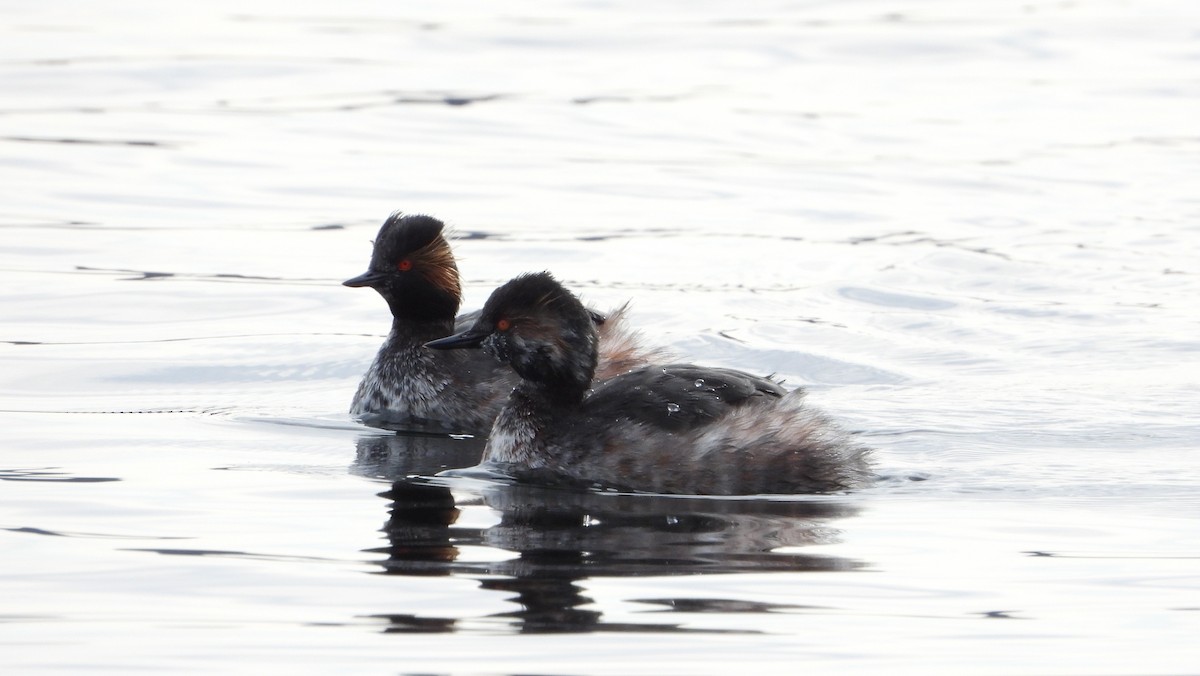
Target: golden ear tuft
[{"x": 436, "y": 261}]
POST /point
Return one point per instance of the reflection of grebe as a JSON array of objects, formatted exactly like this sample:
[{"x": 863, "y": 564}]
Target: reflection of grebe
[
  {"x": 563, "y": 538},
  {"x": 396, "y": 455},
  {"x": 677, "y": 428},
  {"x": 414, "y": 270}
]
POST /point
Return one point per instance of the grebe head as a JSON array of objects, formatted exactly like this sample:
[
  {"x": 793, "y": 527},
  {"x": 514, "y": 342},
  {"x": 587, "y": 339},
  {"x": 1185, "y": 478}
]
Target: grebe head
[
  {"x": 540, "y": 329},
  {"x": 413, "y": 268}
]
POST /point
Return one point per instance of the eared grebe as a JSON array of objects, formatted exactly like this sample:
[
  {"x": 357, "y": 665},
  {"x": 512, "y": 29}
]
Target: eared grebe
[
  {"x": 675, "y": 428},
  {"x": 411, "y": 387}
]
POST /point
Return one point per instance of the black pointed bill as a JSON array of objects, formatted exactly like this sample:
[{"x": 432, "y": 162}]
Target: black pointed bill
[
  {"x": 468, "y": 338},
  {"x": 368, "y": 278}
]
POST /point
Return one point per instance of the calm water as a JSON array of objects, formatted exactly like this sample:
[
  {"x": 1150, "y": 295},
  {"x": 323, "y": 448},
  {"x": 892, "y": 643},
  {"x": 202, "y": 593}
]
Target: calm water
[{"x": 971, "y": 229}]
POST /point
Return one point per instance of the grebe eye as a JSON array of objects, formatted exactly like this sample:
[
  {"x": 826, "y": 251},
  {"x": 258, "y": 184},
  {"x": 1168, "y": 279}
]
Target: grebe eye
[
  {"x": 404, "y": 265},
  {"x": 503, "y": 325}
]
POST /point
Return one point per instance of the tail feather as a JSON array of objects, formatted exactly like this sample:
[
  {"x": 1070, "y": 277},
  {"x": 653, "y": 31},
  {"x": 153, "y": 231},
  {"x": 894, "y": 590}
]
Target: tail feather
[{"x": 784, "y": 447}]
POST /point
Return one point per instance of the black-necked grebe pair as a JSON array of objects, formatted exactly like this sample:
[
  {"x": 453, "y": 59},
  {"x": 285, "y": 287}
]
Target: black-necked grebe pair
[
  {"x": 412, "y": 387},
  {"x": 573, "y": 395}
]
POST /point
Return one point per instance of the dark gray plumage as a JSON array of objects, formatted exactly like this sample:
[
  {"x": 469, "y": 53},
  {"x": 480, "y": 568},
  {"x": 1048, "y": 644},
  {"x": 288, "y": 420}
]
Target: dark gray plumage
[
  {"x": 674, "y": 428},
  {"x": 410, "y": 387}
]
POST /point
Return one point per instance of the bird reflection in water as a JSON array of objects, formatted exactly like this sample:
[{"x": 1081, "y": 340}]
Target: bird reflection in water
[
  {"x": 401, "y": 454},
  {"x": 562, "y": 537}
]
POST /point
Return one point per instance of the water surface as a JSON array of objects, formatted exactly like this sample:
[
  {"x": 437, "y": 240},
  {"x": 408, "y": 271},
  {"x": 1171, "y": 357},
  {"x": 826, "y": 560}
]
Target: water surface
[{"x": 970, "y": 232}]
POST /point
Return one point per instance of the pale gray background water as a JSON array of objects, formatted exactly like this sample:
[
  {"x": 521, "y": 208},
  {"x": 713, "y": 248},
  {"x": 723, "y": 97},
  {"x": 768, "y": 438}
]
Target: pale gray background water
[{"x": 969, "y": 228}]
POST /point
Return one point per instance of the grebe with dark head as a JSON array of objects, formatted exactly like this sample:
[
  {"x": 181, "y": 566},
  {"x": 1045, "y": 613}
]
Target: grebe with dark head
[
  {"x": 673, "y": 428},
  {"x": 411, "y": 387}
]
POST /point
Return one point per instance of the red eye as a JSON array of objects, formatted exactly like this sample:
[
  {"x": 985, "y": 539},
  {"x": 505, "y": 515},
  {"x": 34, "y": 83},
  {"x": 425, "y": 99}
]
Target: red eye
[
  {"x": 503, "y": 325},
  {"x": 404, "y": 265}
]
